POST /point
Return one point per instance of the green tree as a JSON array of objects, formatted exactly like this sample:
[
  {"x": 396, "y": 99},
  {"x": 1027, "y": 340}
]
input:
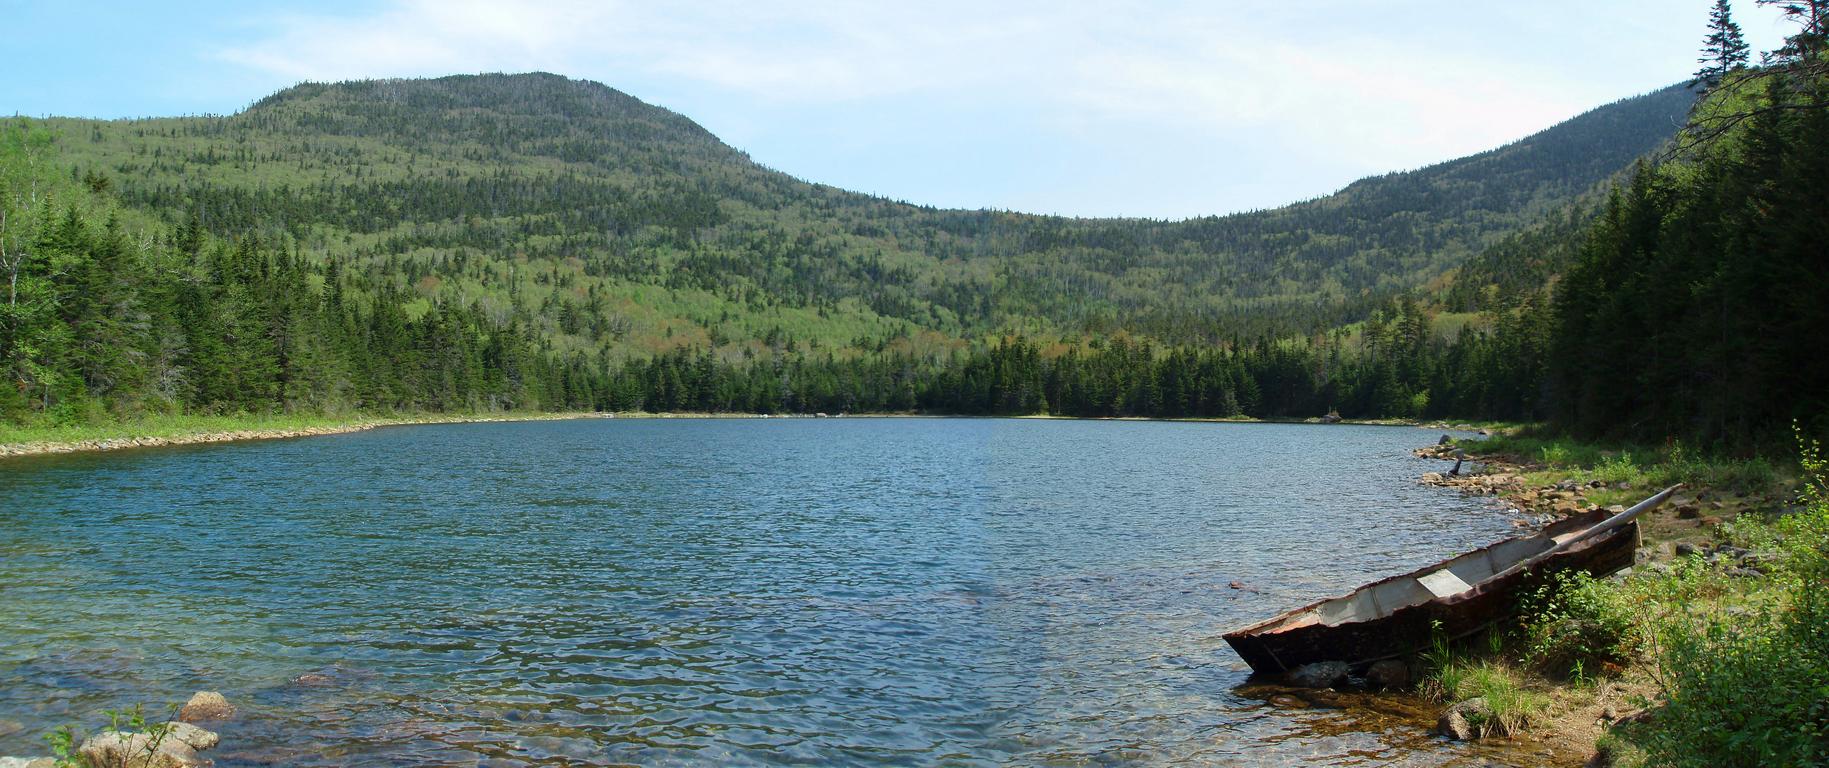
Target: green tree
[{"x": 1724, "y": 50}]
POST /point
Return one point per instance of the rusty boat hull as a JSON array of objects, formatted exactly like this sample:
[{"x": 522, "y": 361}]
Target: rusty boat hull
[{"x": 1403, "y": 615}]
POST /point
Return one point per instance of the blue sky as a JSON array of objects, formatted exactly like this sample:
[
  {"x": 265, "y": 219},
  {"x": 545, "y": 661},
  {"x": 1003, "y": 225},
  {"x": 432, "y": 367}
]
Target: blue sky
[{"x": 1161, "y": 109}]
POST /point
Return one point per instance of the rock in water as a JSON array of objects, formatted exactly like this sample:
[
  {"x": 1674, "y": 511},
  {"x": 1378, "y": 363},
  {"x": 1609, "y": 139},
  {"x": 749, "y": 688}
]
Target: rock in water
[
  {"x": 1321, "y": 674},
  {"x": 1465, "y": 721},
  {"x": 1389, "y": 673},
  {"x": 28, "y": 762},
  {"x": 206, "y": 705},
  {"x": 197, "y": 738},
  {"x": 118, "y": 749}
]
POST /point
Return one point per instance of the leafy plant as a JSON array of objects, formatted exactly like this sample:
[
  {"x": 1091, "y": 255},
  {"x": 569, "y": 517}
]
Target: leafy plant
[{"x": 1575, "y": 623}]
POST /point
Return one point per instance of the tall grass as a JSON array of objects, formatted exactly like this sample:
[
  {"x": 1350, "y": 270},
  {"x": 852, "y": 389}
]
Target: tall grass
[{"x": 1453, "y": 677}]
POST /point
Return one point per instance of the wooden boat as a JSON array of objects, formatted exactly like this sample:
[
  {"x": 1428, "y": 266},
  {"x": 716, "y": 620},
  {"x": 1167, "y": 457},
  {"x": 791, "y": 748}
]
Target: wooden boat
[{"x": 1402, "y": 615}]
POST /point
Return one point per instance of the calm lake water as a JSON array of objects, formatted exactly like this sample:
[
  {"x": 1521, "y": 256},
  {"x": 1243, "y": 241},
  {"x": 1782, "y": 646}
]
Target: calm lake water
[{"x": 711, "y": 592}]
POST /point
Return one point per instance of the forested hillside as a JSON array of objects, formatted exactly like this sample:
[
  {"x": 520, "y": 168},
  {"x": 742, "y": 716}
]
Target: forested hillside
[{"x": 612, "y": 224}]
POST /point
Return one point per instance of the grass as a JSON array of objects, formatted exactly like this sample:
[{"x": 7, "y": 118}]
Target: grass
[
  {"x": 1453, "y": 678},
  {"x": 1639, "y": 466}
]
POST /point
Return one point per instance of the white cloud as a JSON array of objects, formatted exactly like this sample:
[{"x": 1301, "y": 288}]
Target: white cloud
[{"x": 1363, "y": 85}]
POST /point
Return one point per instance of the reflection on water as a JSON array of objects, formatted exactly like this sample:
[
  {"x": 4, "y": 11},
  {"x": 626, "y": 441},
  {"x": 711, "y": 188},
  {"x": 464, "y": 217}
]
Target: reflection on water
[{"x": 712, "y": 592}]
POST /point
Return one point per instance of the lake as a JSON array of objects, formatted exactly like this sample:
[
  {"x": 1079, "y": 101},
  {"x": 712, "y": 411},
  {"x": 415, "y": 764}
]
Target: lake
[{"x": 713, "y": 592}]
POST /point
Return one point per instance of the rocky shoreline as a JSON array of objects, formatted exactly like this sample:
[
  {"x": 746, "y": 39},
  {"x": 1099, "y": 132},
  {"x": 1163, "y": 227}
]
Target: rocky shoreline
[
  {"x": 1689, "y": 520},
  {"x": 1690, "y": 524}
]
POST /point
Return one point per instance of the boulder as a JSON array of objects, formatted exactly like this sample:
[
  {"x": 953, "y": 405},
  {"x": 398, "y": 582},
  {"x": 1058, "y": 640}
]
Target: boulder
[
  {"x": 119, "y": 749},
  {"x": 1389, "y": 673},
  {"x": 1685, "y": 549},
  {"x": 1466, "y": 720},
  {"x": 197, "y": 738},
  {"x": 28, "y": 762},
  {"x": 1321, "y": 674},
  {"x": 1688, "y": 512},
  {"x": 206, "y": 705}
]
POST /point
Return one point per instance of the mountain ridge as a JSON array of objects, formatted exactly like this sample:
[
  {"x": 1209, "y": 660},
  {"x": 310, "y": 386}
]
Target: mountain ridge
[{"x": 507, "y": 187}]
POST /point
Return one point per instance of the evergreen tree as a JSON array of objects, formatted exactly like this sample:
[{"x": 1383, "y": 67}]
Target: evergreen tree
[{"x": 1723, "y": 50}]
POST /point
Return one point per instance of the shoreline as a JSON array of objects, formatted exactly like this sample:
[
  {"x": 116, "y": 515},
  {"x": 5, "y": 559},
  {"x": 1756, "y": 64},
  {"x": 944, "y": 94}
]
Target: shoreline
[
  {"x": 129, "y": 439},
  {"x": 135, "y": 435},
  {"x": 1578, "y": 716}
]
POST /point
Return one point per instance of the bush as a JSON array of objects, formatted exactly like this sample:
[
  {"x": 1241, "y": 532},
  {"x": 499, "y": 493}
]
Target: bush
[{"x": 1576, "y": 626}]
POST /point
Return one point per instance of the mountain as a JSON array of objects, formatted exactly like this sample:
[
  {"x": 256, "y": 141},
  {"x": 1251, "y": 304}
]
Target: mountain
[{"x": 611, "y": 225}]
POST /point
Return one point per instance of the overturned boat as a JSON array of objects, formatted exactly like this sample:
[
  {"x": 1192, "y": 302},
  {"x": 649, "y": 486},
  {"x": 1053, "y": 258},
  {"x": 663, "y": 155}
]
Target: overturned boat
[{"x": 1401, "y": 616}]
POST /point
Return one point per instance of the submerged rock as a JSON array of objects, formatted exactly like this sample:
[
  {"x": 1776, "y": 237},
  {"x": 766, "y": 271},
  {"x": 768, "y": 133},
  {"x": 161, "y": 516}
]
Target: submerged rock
[
  {"x": 206, "y": 705},
  {"x": 1466, "y": 720},
  {"x": 1321, "y": 674},
  {"x": 1389, "y": 673},
  {"x": 313, "y": 680}
]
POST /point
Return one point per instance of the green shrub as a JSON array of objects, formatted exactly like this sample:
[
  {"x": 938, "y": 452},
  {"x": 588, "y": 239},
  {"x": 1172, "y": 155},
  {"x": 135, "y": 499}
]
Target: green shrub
[{"x": 1576, "y": 626}]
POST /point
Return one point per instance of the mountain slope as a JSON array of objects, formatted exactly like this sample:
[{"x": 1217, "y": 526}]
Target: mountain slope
[{"x": 610, "y": 224}]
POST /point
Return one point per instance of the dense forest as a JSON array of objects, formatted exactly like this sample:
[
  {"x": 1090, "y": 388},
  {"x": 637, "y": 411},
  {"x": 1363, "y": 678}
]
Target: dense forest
[{"x": 521, "y": 242}]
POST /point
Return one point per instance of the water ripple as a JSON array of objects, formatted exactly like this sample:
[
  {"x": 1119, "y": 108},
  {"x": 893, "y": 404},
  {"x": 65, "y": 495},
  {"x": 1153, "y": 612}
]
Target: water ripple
[{"x": 897, "y": 592}]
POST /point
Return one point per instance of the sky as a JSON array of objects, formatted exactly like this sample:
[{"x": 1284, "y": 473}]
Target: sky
[{"x": 1152, "y": 109}]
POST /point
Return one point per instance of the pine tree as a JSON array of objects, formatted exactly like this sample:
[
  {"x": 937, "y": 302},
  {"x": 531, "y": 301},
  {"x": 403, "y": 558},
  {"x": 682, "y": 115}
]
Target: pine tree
[{"x": 1724, "y": 50}]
